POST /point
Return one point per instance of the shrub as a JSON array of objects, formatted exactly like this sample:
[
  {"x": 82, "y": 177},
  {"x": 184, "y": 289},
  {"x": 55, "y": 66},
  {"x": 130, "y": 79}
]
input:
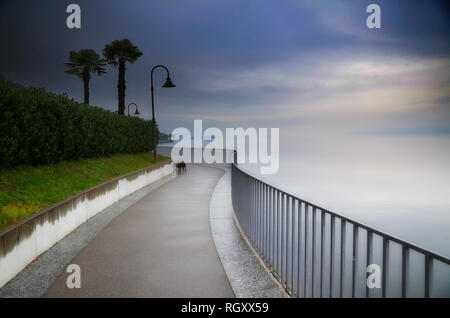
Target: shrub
[{"x": 39, "y": 127}]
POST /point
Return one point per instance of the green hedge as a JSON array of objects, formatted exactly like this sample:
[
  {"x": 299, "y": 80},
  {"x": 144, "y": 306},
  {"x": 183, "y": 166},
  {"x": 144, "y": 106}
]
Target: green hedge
[{"x": 38, "y": 127}]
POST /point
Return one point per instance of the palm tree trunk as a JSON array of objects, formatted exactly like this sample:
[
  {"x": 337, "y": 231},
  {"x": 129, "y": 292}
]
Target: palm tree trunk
[
  {"x": 121, "y": 87},
  {"x": 86, "y": 78}
]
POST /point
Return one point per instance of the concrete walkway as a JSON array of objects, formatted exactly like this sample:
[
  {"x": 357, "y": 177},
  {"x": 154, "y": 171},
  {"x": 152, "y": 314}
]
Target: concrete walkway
[
  {"x": 159, "y": 247},
  {"x": 246, "y": 272}
]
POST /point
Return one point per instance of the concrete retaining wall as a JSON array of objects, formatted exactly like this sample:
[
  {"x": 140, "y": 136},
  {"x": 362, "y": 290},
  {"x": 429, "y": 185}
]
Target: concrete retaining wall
[{"x": 22, "y": 243}]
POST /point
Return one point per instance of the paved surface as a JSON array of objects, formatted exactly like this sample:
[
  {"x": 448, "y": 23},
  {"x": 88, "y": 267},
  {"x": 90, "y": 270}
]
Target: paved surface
[
  {"x": 159, "y": 247},
  {"x": 34, "y": 280},
  {"x": 249, "y": 278}
]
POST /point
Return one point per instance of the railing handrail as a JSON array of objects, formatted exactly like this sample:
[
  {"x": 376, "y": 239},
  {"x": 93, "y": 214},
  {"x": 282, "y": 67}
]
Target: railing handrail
[{"x": 358, "y": 224}]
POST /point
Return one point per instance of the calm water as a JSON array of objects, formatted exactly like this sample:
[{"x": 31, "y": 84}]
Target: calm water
[{"x": 400, "y": 185}]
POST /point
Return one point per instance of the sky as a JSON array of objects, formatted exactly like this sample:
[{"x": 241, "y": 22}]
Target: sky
[{"x": 288, "y": 63}]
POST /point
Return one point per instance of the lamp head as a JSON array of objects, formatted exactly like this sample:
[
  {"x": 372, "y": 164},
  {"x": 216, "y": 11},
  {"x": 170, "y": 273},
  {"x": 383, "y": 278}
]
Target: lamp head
[
  {"x": 137, "y": 112},
  {"x": 168, "y": 83}
]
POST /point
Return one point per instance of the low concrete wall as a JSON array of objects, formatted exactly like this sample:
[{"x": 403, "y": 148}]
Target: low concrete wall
[{"x": 22, "y": 243}]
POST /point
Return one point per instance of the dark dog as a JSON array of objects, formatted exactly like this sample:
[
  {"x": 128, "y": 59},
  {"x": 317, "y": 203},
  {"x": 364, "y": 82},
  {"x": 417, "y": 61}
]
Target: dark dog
[{"x": 181, "y": 167}]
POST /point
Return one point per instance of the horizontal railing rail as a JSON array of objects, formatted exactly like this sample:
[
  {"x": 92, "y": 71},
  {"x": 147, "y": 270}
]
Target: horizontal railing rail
[{"x": 314, "y": 252}]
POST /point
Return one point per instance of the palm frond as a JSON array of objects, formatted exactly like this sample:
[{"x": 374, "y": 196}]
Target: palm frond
[{"x": 85, "y": 60}]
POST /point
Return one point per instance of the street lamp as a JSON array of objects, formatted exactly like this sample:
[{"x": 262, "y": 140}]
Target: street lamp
[
  {"x": 137, "y": 110},
  {"x": 167, "y": 84}
]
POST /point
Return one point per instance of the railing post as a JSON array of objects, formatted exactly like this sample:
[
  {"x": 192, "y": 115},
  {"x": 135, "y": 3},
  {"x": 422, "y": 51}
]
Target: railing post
[
  {"x": 289, "y": 256},
  {"x": 255, "y": 189},
  {"x": 252, "y": 210},
  {"x": 343, "y": 242},
  {"x": 293, "y": 226},
  {"x": 332, "y": 251},
  {"x": 385, "y": 270},
  {"x": 259, "y": 217},
  {"x": 369, "y": 257},
  {"x": 267, "y": 225},
  {"x": 306, "y": 248},
  {"x": 313, "y": 251},
  {"x": 275, "y": 233},
  {"x": 283, "y": 240},
  {"x": 428, "y": 275},
  {"x": 270, "y": 228},
  {"x": 299, "y": 246},
  {"x": 263, "y": 214},
  {"x": 255, "y": 215},
  {"x": 355, "y": 259},
  {"x": 266, "y": 215},
  {"x": 280, "y": 235},
  {"x": 322, "y": 250},
  {"x": 405, "y": 271},
  {"x": 255, "y": 206}
]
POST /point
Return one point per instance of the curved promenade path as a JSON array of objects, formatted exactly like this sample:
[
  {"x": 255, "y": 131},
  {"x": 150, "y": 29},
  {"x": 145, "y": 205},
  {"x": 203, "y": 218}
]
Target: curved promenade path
[{"x": 159, "y": 247}]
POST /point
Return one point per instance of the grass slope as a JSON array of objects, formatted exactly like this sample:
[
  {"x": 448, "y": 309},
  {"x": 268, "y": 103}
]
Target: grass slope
[{"x": 26, "y": 190}]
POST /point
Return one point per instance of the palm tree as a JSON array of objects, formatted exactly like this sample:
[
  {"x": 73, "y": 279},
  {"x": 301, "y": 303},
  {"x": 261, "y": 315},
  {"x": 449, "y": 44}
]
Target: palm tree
[
  {"x": 82, "y": 64},
  {"x": 117, "y": 53}
]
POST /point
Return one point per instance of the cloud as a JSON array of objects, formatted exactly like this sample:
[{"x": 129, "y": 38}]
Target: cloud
[
  {"x": 331, "y": 92},
  {"x": 236, "y": 61}
]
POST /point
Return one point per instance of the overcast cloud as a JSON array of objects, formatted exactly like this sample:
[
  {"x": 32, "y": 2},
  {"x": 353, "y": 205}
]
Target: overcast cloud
[{"x": 250, "y": 62}]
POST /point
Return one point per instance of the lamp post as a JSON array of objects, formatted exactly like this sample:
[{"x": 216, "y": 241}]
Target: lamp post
[
  {"x": 137, "y": 110},
  {"x": 167, "y": 84}
]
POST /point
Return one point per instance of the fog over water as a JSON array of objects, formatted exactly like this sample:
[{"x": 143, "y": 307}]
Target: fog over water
[
  {"x": 397, "y": 184},
  {"x": 400, "y": 185}
]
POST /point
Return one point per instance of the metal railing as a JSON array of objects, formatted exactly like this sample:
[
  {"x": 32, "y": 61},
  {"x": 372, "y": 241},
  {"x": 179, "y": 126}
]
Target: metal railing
[{"x": 314, "y": 252}]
